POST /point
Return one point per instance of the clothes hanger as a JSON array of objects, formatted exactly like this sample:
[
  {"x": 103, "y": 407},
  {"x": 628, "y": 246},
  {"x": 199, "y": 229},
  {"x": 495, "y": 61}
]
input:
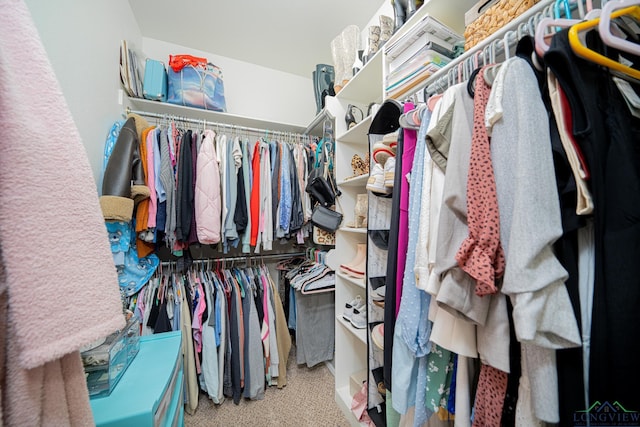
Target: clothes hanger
[
  {"x": 541, "y": 31},
  {"x": 604, "y": 27},
  {"x": 590, "y": 55},
  {"x": 471, "y": 83},
  {"x": 566, "y": 7}
]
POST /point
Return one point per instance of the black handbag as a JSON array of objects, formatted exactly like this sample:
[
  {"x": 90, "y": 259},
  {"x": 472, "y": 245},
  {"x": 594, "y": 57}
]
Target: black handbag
[
  {"x": 320, "y": 190},
  {"x": 318, "y": 186},
  {"x": 325, "y": 218}
]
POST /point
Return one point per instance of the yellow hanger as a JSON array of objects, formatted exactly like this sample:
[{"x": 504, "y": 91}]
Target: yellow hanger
[{"x": 589, "y": 54}]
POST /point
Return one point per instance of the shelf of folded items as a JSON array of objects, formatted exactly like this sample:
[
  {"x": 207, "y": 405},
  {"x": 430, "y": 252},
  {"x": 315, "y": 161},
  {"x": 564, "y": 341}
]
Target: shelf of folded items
[
  {"x": 353, "y": 280},
  {"x": 360, "y": 334},
  {"x": 356, "y": 181},
  {"x": 425, "y": 80},
  {"x": 358, "y": 134}
]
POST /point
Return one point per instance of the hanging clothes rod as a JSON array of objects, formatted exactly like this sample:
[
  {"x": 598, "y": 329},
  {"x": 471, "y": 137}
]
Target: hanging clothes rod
[
  {"x": 242, "y": 258},
  {"x": 213, "y": 124}
]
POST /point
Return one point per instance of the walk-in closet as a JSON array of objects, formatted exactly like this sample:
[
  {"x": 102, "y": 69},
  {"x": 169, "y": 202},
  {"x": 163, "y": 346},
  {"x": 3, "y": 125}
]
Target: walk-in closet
[{"x": 366, "y": 213}]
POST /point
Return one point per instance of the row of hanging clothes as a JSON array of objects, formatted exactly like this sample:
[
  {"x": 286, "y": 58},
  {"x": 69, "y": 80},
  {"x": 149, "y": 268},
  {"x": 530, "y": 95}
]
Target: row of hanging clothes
[
  {"x": 202, "y": 186},
  {"x": 235, "y": 337},
  {"x": 310, "y": 305},
  {"x": 515, "y": 284},
  {"x": 310, "y": 276}
]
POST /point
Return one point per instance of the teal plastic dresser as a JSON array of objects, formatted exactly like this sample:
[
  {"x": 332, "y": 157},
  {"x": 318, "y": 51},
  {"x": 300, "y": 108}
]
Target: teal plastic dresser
[{"x": 150, "y": 392}]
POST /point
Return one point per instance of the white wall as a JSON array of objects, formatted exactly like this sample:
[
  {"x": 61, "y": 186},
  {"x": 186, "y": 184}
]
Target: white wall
[
  {"x": 82, "y": 40},
  {"x": 251, "y": 90}
]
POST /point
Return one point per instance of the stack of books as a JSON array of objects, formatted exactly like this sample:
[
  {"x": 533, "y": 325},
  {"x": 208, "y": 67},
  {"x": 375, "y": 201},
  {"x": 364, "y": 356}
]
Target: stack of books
[
  {"x": 129, "y": 71},
  {"x": 412, "y": 59}
]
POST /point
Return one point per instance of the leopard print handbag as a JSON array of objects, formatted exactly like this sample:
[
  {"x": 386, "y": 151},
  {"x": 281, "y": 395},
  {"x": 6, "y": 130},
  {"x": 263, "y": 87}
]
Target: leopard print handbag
[{"x": 322, "y": 237}]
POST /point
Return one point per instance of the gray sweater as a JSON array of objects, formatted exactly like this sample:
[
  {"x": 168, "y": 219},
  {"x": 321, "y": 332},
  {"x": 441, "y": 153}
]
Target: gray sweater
[{"x": 529, "y": 225}]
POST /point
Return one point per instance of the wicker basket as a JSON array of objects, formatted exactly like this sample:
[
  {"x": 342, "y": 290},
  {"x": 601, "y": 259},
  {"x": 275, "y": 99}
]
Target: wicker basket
[{"x": 493, "y": 19}]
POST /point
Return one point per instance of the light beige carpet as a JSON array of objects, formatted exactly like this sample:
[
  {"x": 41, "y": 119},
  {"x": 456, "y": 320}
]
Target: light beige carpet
[{"x": 306, "y": 401}]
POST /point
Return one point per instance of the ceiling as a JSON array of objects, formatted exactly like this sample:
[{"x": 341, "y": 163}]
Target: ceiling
[{"x": 286, "y": 35}]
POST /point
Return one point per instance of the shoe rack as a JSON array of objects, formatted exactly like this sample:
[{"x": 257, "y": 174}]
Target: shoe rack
[
  {"x": 350, "y": 342},
  {"x": 362, "y": 90}
]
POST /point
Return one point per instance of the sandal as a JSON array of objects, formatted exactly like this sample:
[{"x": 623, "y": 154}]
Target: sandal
[{"x": 349, "y": 118}]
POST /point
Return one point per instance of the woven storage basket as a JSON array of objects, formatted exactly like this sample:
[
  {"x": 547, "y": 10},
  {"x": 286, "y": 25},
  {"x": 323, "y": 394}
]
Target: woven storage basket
[{"x": 493, "y": 19}]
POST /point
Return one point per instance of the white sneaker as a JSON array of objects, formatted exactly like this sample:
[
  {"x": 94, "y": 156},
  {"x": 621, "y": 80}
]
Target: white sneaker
[
  {"x": 376, "y": 180},
  {"x": 359, "y": 318},
  {"x": 379, "y": 294},
  {"x": 389, "y": 173},
  {"x": 356, "y": 304}
]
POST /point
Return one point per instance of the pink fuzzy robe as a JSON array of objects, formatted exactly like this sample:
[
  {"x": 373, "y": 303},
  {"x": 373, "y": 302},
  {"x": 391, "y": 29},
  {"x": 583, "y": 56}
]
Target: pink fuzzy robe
[{"x": 58, "y": 286}]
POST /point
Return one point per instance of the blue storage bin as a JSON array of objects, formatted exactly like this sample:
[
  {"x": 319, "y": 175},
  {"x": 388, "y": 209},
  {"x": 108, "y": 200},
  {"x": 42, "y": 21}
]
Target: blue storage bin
[{"x": 154, "y": 85}]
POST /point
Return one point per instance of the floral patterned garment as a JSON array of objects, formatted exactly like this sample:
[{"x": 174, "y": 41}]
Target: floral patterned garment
[{"x": 439, "y": 377}]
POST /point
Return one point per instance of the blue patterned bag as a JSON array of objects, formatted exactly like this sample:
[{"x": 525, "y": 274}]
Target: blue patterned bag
[{"x": 197, "y": 86}]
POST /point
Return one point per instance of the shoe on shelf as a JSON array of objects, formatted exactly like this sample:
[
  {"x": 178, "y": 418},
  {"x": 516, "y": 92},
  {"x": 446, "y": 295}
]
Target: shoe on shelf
[
  {"x": 359, "y": 318},
  {"x": 377, "y": 335},
  {"x": 357, "y": 266},
  {"x": 360, "y": 212},
  {"x": 378, "y": 303},
  {"x": 350, "y": 118},
  {"x": 373, "y": 42},
  {"x": 386, "y": 28},
  {"x": 391, "y": 139},
  {"x": 379, "y": 294},
  {"x": 359, "y": 165},
  {"x": 381, "y": 152},
  {"x": 355, "y": 270},
  {"x": 389, "y": 172},
  {"x": 337, "y": 53},
  {"x": 376, "y": 180},
  {"x": 356, "y": 304},
  {"x": 385, "y": 148}
]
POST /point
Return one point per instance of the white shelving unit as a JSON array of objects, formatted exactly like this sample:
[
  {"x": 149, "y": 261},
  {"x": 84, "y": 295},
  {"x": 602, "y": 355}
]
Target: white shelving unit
[
  {"x": 359, "y": 87},
  {"x": 353, "y": 230},
  {"x": 356, "y": 181},
  {"x": 354, "y": 280},
  {"x": 364, "y": 88},
  {"x": 357, "y": 132},
  {"x": 360, "y": 334},
  {"x": 351, "y": 344}
]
